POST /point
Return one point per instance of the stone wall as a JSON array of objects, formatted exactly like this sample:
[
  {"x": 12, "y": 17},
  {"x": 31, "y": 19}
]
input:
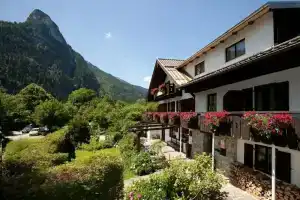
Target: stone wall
[
  {"x": 259, "y": 184},
  {"x": 223, "y": 163}
]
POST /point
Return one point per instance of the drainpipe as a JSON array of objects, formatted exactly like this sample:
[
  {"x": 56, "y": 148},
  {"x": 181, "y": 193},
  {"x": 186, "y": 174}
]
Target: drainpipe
[
  {"x": 180, "y": 139},
  {"x": 213, "y": 152},
  {"x": 273, "y": 172}
]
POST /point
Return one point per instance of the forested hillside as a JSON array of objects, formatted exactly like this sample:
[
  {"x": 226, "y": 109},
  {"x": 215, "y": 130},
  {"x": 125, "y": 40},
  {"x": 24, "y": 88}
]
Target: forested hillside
[{"x": 35, "y": 51}]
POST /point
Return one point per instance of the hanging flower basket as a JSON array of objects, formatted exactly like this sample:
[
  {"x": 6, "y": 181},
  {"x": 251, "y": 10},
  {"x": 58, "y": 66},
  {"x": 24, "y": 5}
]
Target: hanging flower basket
[
  {"x": 189, "y": 120},
  {"x": 162, "y": 88},
  {"x": 217, "y": 121},
  {"x": 154, "y": 91},
  {"x": 174, "y": 118},
  {"x": 164, "y": 118}
]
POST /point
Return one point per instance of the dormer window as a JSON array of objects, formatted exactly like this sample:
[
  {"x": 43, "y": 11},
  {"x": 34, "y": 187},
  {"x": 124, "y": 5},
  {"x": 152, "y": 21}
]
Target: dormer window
[
  {"x": 236, "y": 50},
  {"x": 199, "y": 68}
]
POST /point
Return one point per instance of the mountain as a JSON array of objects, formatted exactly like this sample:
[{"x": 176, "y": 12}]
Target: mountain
[{"x": 35, "y": 51}]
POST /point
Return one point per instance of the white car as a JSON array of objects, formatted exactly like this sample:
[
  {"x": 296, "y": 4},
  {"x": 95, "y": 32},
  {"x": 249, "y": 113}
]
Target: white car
[{"x": 34, "y": 132}]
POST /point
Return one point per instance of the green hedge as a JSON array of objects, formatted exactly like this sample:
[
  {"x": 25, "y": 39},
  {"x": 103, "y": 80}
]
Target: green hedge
[{"x": 99, "y": 177}]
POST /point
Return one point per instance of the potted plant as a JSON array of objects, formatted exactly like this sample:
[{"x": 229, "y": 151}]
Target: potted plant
[
  {"x": 162, "y": 88},
  {"x": 279, "y": 124},
  {"x": 164, "y": 118},
  {"x": 259, "y": 126},
  {"x": 156, "y": 117},
  {"x": 217, "y": 121},
  {"x": 154, "y": 91},
  {"x": 174, "y": 118},
  {"x": 189, "y": 119}
]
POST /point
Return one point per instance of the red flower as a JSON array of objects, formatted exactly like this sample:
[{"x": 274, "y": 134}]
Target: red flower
[
  {"x": 154, "y": 91},
  {"x": 162, "y": 87},
  {"x": 214, "y": 118},
  {"x": 187, "y": 116}
]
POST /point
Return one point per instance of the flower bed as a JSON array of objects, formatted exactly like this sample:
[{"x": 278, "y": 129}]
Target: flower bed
[
  {"x": 189, "y": 120},
  {"x": 218, "y": 123},
  {"x": 271, "y": 128},
  {"x": 164, "y": 117},
  {"x": 174, "y": 118}
]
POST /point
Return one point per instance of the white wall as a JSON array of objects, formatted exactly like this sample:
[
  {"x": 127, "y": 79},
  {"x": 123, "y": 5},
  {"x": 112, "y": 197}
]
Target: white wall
[
  {"x": 291, "y": 75},
  {"x": 295, "y": 158},
  {"x": 258, "y": 37}
]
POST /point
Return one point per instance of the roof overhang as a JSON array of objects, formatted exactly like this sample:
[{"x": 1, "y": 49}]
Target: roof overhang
[{"x": 280, "y": 57}]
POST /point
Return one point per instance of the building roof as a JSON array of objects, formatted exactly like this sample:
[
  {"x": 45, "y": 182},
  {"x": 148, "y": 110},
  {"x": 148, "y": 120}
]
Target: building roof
[
  {"x": 292, "y": 43},
  {"x": 168, "y": 65},
  {"x": 242, "y": 24},
  {"x": 170, "y": 62}
]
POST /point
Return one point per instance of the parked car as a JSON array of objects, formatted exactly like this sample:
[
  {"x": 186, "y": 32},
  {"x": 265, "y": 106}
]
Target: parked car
[
  {"x": 27, "y": 129},
  {"x": 44, "y": 130},
  {"x": 34, "y": 132}
]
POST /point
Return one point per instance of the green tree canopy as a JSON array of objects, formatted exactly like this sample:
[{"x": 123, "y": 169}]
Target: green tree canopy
[
  {"x": 32, "y": 95},
  {"x": 51, "y": 113},
  {"x": 81, "y": 96}
]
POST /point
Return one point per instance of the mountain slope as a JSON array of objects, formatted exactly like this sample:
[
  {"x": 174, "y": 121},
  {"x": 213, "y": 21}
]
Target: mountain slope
[{"x": 35, "y": 51}]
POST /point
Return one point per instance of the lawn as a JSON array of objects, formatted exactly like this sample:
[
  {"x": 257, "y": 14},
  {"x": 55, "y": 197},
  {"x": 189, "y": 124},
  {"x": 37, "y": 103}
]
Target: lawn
[{"x": 82, "y": 155}]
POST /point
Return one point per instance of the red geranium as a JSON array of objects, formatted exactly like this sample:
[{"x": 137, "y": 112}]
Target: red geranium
[
  {"x": 164, "y": 117},
  {"x": 162, "y": 87},
  {"x": 213, "y": 119},
  {"x": 187, "y": 116},
  {"x": 189, "y": 119},
  {"x": 282, "y": 120},
  {"x": 154, "y": 91},
  {"x": 174, "y": 118}
]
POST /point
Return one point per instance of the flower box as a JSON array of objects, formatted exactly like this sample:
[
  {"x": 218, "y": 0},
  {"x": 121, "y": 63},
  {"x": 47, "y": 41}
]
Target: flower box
[
  {"x": 217, "y": 122},
  {"x": 154, "y": 91},
  {"x": 189, "y": 120},
  {"x": 162, "y": 88},
  {"x": 174, "y": 118},
  {"x": 164, "y": 118},
  {"x": 280, "y": 140},
  {"x": 156, "y": 117}
]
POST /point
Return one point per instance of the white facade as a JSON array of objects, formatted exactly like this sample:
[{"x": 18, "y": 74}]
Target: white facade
[
  {"x": 258, "y": 37},
  {"x": 295, "y": 158},
  {"x": 290, "y": 75}
]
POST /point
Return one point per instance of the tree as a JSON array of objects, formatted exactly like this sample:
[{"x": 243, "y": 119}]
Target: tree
[
  {"x": 78, "y": 131},
  {"x": 81, "y": 96},
  {"x": 32, "y": 95},
  {"x": 51, "y": 113}
]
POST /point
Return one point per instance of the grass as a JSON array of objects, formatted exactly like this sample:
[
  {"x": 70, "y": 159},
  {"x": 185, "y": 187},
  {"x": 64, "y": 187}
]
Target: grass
[{"x": 82, "y": 155}]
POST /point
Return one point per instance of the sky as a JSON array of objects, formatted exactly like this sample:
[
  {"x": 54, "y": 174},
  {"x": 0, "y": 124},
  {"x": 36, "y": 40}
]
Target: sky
[{"x": 125, "y": 37}]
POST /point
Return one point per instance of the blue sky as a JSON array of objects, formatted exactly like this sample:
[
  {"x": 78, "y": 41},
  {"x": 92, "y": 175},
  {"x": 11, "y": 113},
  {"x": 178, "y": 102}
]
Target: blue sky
[{"x": 125, "y": 37}]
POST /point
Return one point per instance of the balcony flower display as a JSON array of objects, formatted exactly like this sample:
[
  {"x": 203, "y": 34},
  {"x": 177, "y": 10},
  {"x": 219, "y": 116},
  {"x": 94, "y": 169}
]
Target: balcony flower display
[
  {"x": 162, "y": 87},
  {"x": 283, "y": 120},
  {"x": 154, "y": 91},
  {"x": 174, "y": 118},
  {"x": 147, "y": 116},
  {"x": 164, "y": 117},
  {"x": 189, "y": 120},
  {"x": 156, "y": 117},
  {"x": 217, "y": 121}
]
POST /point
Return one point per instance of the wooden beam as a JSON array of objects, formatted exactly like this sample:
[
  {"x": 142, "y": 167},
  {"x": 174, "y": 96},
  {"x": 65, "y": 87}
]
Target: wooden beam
[{"x": 151, "y": 129}]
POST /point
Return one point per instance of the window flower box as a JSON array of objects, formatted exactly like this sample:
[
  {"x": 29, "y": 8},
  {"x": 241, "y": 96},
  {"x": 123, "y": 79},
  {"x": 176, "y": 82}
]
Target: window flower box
[
  {"x": 174, "y": 118},
  {"x": 164, "y": 118},
  {"x": 156, "y": 117},
  {"x": 189, "y": 120},
  {"x": 218, "y": 122},
  {"x": 148, "y": 116},
  {"x": 154, "y": 91},
  {"x": 162, "y": 88}
]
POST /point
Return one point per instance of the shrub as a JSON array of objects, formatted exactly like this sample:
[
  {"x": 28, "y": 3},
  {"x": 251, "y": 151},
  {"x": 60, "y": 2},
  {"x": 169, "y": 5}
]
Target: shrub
[
  {"x": 142, "y": 164},
  {"x": 99, "y": 177},
  {"x": 95, "y": 144},
  {"x": 183, "y": 180},
  {"x": 78, "y": 131},
  {"x": 127, "y": 145}
]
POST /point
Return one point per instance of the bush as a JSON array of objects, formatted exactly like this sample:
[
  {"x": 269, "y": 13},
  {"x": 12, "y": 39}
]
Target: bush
[
  {"x": 95, "y": 144},
  {"x": 30, "y": 154},
  {"x": 127, "y": 146},
  {"x": 78, "y": 131},
  {"x": 99, "y": 177},
  {"x": 142, "y": 164},
  {"x": 183, "y": 180}
]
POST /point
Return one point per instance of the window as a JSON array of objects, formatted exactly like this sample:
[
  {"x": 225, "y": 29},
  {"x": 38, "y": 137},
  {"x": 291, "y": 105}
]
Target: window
[
  {"x": 272, "y": 97},
  {"x": 248, "y": 155},
  {"x": 263, "y": 162},
  {"x": 236, "y": 50},
  {"x": 199, "y": 68},
  {"x": 211, "y": 102},
  {"x": 263, "y": 158}
]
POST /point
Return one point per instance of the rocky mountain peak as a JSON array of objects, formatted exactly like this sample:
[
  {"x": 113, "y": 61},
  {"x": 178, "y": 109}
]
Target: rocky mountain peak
[{"x": 38, "y": 17}]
